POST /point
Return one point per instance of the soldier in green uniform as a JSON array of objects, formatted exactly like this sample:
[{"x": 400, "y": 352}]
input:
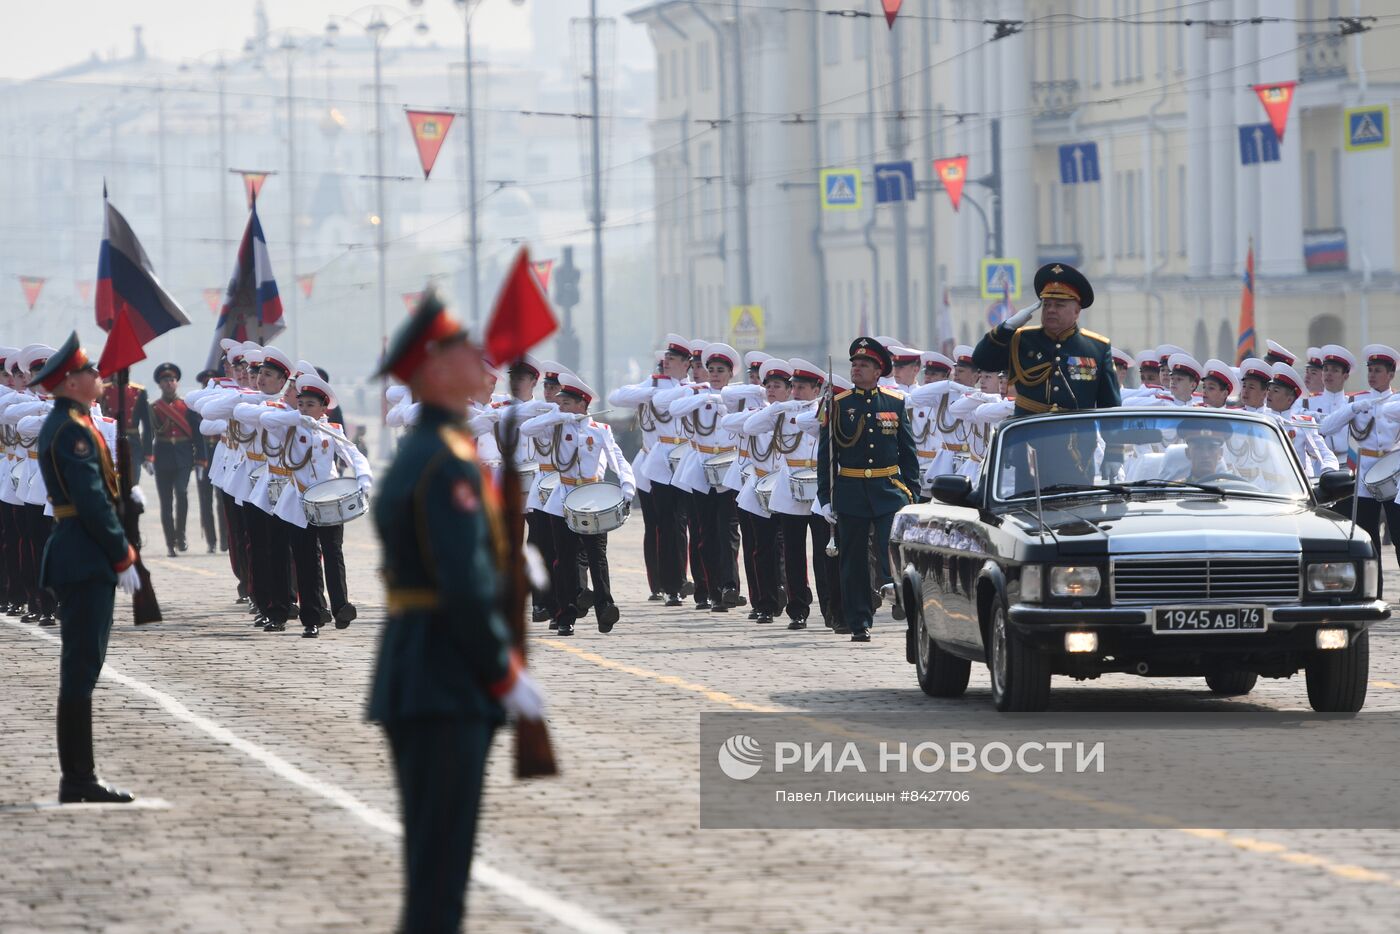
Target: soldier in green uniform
[
  {"x": 446, "y": 674},
  {"x": 876, "y": 469},
  {"x": 1057, "y": 367},
  {"x": 87, "y": 556}
]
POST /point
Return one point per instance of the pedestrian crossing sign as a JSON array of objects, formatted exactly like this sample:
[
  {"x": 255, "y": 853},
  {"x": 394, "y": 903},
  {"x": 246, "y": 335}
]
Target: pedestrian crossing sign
[
  {"x": 746, "y": 327},
  {"x": 1001, "y": 278},
  {"x": 840, "y": 189},
  {"x": 1367, "y": 128}
]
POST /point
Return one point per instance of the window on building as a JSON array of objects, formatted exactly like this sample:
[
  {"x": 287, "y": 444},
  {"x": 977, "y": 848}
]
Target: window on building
[
  {"x": 1095, "y": 55},
  {"x": 1160, "y": 212},
  {"x": 685, "y": 71},
  {"x": 675, "y": 74},
  {"x": 661, "y": 76},
  {"x": 1137, "y": 32},
  {"x": 865, "y": 138},
  {"x": 860, "y": 40},
  {"x": 831, "y": 40},
  {"x": 1337, "y": 212},
  {"x": 703, "y": 79},
  {"x": 1181, "y": 210},
  {"x": 709, "y": 189},
  {"x": 1310, "y": 188},
  {"x": 1117, "y": 42},
  {"x": 832, "y": 150}
]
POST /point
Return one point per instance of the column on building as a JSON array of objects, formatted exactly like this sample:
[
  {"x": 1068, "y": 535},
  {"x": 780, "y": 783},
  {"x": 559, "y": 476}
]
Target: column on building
[
  {"x": 965, "y": 136},
  {"x": 1198, "y": 166},
  {"x": 1224, "y": 146},
  {"x": 1281, "y": 183},
  {"x": 1248, "y": 112},
  {"x": 1011, "y": 64}
]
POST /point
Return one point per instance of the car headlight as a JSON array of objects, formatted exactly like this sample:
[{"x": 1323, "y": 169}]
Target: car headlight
[
  {"x": 1074, "y": 581},
  {"x": 1371, "y": 577},
  {"x": 1031, "y": 588},
  {"x": 1331, "y": 577}
]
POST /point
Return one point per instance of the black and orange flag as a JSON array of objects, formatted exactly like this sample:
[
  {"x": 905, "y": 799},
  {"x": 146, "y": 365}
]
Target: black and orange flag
[{"x": 429, "y": 132}]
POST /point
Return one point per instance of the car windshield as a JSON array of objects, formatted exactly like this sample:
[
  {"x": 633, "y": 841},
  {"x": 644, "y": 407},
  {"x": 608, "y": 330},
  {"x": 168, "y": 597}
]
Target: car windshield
[{"x": 1125, "y": 452}]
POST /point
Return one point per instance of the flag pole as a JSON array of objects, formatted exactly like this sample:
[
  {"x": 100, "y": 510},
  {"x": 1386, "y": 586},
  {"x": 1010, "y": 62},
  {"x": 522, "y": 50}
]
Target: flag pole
[{"x": 144, "y": 605}]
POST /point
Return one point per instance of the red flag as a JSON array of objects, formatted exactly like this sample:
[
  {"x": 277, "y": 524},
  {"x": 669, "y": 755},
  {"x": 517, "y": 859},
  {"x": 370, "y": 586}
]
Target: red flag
[
  {"x": 521, "y": 317},
  {"x": 214, "y": 298},
  {"x": 85, "y": 290},
  {"x": 411, "y": 300},
  {"x": 253, "y": 182},
  {"x": 429, "y": 131},
  {"x": 123, "y": 347},
  {"x": 1276, "y": 99},
  {"x": 1245, "y": 346},
  {"x": 306, "y": 280},
  {"x": 891, "y": 10},
  {"x": 542, "y": 270},
  {"x": 32, "y": 286},
  {"x": 952, "y": 171}
]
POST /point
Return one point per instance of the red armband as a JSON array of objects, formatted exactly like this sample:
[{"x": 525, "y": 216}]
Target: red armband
[
  {"x": 501, "y": 687},
  {"x": 126, "y": 562}
]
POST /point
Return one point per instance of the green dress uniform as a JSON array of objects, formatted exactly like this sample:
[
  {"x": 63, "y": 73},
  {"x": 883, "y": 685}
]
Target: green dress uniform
[
  {"x": 1057, "y": 373},
  {"x": 444, "y": 656},
  {"x": 82, "y": 558},
  {"x": 877, "y": 468}
]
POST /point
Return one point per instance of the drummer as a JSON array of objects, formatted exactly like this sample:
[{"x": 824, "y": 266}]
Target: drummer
[
  {"x": 1373, "y": 436},
  {"x": 581, "y": 452},
  {"x": 312, "y": 450}
]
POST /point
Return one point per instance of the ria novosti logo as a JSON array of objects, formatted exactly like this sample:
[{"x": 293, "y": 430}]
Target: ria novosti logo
[{"x": 740, "y": 757}]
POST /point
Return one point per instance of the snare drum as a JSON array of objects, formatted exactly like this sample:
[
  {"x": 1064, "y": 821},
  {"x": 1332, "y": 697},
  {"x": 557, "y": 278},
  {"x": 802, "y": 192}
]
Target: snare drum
[
  {"x": 673, "y": 456},
  {"x": 334, "y": 502},
  {"x": 595, "y": 508},
  {"x": 717, "y": 465},
  {"x": 1383, "y": 477},
  {"x": 548, "y": 484},
  {"x": 255, "y": 476},
  {"x": 802, "y": 484},
  {"x": 527, "y": 472},
  {"x": 763, "y": 489}
]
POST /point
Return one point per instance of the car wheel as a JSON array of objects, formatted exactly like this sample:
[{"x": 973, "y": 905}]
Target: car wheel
[
  {"x": 1337, "y": 679},
  {"x": 1231, "y": 682},
  {"x": 1020, "y": 674},
  {"x": 941, "y": 674}
]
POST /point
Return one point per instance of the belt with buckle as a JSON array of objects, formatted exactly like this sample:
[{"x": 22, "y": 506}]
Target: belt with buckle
[
  {"x": 706, "y": 449},
  {"x": 575, "y": 481},
  {"x": 869, "y": 473},
  {"x": 795, "y": 462},
  {"x": 927, "y": 454},
  {"x": 1364, "y": 452},
  {"x": 404, "y": 599},
  {"x": 955, "y": 448},
  {"x": 665, "y": 440}
]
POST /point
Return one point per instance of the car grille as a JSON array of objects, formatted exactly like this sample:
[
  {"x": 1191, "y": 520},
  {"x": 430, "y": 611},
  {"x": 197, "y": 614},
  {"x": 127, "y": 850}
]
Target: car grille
[{"x": 1255, "y": 579}]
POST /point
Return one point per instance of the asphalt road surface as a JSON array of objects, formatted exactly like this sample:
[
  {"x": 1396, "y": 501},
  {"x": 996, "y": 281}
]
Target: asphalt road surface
[{"x": 268, "y": 803}]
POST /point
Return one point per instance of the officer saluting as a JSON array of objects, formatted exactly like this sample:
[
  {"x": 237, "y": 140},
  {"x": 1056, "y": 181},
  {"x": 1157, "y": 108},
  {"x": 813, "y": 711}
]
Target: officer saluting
[
  {"x": 1057, "y": 366},
  {"x": 86, "y": 558},
  {"x": 446, "y": 673},
  {"x": 876, "y": 468}
]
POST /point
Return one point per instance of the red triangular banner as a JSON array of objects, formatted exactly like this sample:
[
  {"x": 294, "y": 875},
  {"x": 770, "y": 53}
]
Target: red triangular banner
[
  {"x": 521, "y": 317},
  {"x": 32, "y": 286},
  {"x": 429, "y": 131},
  {"x": 214, "y": 298},
  {"x": 85, "y": 291},
  {"x": 123, "y": 347},
  {"x": 253, "y": 182},
  {"x": 952, "y": 171},
  {"x": 411, "y": 300},
  {"x": 306, "y": 280},
  {"x": 891, "y": 10},
  {"x": 542, "y": 270},
  {"x": 1276, "y": 99}
]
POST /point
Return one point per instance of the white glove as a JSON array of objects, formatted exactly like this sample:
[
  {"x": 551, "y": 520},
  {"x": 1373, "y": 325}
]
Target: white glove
[
  {"x": 823, "y": 510},
  {"x": 524, "y": 699},
  {"x": 310, "y": 422},
  {"x": 1360, "y": 406},
  {"x": 129, "y": 581},
  {"x": 137, "y": 496},
  {"x": 366, "y": 484},
  {"x": 1022, "y": 316}
]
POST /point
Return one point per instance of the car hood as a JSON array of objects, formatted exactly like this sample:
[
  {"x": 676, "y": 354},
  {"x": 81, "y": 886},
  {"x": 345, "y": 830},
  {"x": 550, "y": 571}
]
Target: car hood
[{"x": 1187, "y": 525}]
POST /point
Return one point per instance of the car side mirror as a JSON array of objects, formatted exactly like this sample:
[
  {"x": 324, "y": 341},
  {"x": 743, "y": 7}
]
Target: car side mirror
[
  {"x": 953, "y": 489},
  {"x": 1334, "y": 485}
]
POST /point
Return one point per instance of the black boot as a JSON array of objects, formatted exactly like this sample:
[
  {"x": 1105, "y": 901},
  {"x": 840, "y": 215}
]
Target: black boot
[
  {"x": 80, "y": 782},
  {"x": 345, "y": 615}
]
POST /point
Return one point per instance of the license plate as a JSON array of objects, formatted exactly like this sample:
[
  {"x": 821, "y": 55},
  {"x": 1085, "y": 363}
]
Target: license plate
[{"x": 1210, "y": 619}]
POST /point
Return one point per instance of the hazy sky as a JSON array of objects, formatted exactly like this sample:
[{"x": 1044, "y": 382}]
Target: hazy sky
[{"x": 43, "y": 35}]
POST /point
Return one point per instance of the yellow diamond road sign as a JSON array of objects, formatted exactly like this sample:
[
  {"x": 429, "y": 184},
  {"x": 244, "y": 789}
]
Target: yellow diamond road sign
[{"x": 746, "y": 327}]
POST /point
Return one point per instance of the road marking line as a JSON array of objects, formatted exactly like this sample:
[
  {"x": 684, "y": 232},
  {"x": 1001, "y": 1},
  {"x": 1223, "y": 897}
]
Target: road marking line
[
  {"x": 164, "y": 564},
  {"x": 566, "y": 913},
  {"x": 35, "y": 807},
  {"x": 1268, "y": 848},
  {"x": 1390, "y": 685}
]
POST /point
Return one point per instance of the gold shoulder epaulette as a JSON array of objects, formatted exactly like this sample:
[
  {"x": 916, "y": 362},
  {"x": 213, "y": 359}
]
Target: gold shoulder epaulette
[
  {"x": 137, "y": 386},
  {"x": 843, "y": 394},
  {"x": 1027, "y": 327},
  {"x": 1093, "y": 335},
  {"x": 892, "y": 392},
  {"x": 461, "y": 446}
]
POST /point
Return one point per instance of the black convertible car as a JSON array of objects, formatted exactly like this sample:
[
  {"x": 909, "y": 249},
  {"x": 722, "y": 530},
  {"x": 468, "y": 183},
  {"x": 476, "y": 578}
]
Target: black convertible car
[{"x": 1160, "y": 542}]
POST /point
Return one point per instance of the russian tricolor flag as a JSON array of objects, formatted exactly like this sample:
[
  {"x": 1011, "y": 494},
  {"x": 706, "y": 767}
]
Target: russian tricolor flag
[
  {"x": 131, "y": 302},
  {"x": 252, "y": 308}
]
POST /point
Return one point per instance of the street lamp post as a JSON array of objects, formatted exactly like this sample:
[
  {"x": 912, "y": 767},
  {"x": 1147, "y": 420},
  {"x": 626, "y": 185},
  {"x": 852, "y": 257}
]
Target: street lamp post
[{"x": 376, "y": 27}]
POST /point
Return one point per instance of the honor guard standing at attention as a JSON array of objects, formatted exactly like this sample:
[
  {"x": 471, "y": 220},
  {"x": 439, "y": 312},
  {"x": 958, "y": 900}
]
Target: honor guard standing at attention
[
  {"x": 1057, "y": 366},
  {"x": 176, "y": 445},
  {"x": 138, "y": 415},
  {"x": 1337, "y": 364},
  {"x": 867, "y": 470},
  {"x": 446, "y": 673},
  {"x": 85, "y": 559}
]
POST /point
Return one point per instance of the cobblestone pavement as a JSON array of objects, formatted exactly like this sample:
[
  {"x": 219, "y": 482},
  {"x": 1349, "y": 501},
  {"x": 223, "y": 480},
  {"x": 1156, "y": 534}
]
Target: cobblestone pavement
[{"x": 271, "y": 805}]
